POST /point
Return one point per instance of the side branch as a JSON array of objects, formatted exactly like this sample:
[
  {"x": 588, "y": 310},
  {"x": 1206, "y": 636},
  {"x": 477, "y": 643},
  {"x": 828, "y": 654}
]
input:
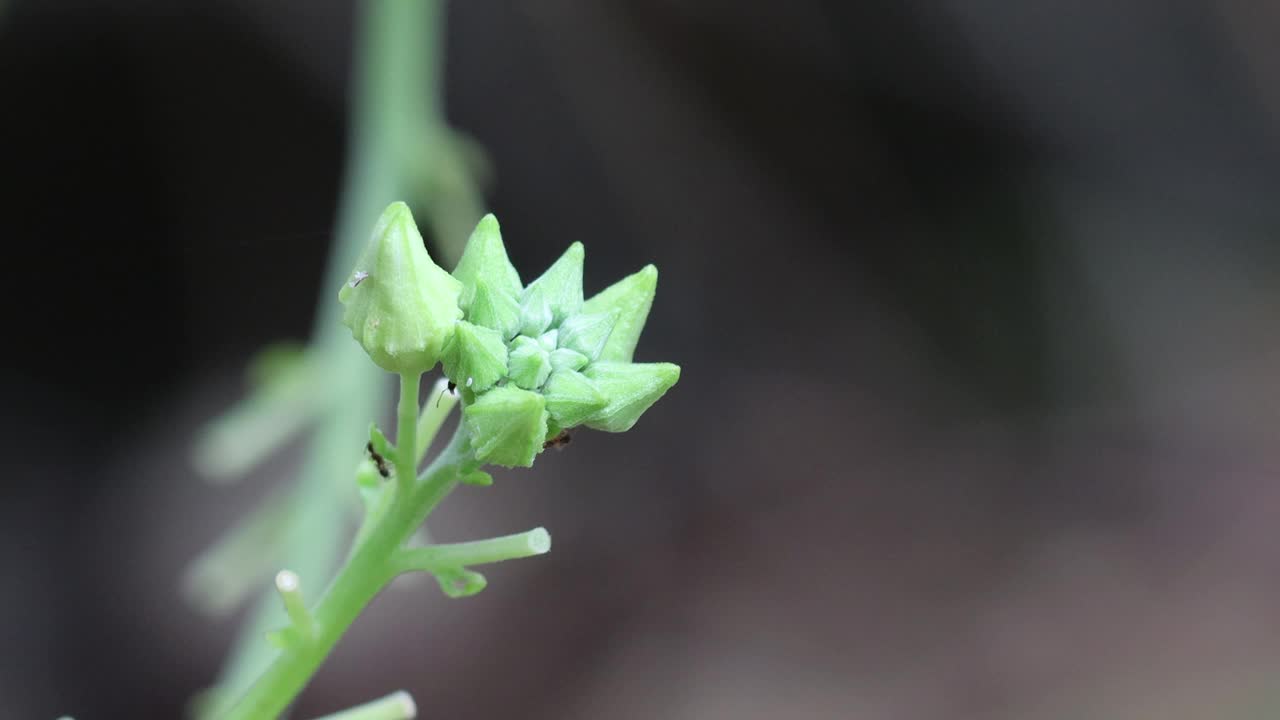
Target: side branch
[{"x": 452, "y": 556}]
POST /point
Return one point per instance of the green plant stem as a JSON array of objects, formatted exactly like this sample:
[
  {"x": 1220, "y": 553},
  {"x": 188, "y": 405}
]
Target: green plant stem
[
  {"x": 396, "y": 100},
  {"x": 295, "y": 605},
  {"x": 407, "y": 429},
  {"x": 363, "y": 576}
]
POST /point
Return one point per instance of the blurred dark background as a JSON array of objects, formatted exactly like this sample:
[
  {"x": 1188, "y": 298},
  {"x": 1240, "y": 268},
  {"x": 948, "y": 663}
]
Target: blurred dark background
[{"x": 976, "y": 304}]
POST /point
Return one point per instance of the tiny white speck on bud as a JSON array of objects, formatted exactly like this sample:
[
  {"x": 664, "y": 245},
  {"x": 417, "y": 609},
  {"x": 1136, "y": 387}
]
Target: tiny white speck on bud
[
  {"x": 358, "y": 278},
  {"x": 469, "y": 381}
]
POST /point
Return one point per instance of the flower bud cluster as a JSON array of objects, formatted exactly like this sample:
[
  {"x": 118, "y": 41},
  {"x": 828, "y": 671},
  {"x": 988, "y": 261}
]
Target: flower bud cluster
[{"x": 530, "y": 360}]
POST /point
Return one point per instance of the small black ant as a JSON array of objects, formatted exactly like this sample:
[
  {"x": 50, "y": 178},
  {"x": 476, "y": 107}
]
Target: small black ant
[
  {"x": 452, "y": 386},
  {"x": 378, "y": 460},
  {"x": 559, "y": 441}
]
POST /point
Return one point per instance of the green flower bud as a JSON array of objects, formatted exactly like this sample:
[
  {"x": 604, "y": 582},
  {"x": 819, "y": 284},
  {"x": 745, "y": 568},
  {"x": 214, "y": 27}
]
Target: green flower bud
[
  {"x": 494, "y": 309},
  {"x": 587, "y": 333},
  {"x": 549, "y": 339},
  {"x": 485, "y": 260},
  {"x": 561, "y": 284},
  {"x": 507, "y": 425},
  {"x": 528, "y": 364},
  {"x": 572, "y": 398},
  {"x": 535, "y": 313},
  {"x": 631, "y": 297},
  {"x": 475, "y": 357},
  {"x": 400, "y": 306},
  {"x": 631, "y": 389},
  {"x": 566, "y": 359}
]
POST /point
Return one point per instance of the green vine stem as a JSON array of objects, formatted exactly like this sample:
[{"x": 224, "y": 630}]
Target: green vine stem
[{"x": 400, "y": 146}]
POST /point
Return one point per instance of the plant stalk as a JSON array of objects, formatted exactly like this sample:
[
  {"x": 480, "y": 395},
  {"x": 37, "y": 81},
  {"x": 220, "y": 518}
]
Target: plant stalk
[
  {"x": 365, "y": 573},
  {"x": 407, "y": 430}
]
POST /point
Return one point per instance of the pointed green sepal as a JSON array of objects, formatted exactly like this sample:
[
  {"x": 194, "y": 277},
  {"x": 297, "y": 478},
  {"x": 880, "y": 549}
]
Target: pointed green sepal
[
  {"x": 572, "y": 398},
  {"x": 566, "y": 359},
  {"x": 631, "y": 389},
  {"x": 495, "y": 309},
  {"x": 631, "y": 297},
  {"x": 485, "y": 260},
  {"x": 507, "y": 426},
  {"x": 400, "y": 305},
  {"x": 587, "y": 333},
  {"x": 528, "y": 364},
  {"x": 461, "y": 582},
  {"x": 562, "y": 284},
  {"x": 475, "y": 357}
]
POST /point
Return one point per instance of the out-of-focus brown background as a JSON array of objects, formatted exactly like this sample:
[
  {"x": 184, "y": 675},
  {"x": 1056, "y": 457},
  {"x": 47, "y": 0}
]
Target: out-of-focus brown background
[{"x": 977, "y": 305}]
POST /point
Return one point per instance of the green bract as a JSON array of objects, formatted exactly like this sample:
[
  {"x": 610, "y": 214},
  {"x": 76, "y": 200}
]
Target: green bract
[
  {"x": 400, "y": 306},
  {"x": 572, "y": 355}
]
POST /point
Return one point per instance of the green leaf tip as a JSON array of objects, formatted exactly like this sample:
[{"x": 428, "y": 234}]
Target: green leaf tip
[
  {"x": 400, "y": 306},
  {"x": 631, "y": 298},
  {"x": 507, "y": 426},
  {"x": 631, "y": 388}
]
